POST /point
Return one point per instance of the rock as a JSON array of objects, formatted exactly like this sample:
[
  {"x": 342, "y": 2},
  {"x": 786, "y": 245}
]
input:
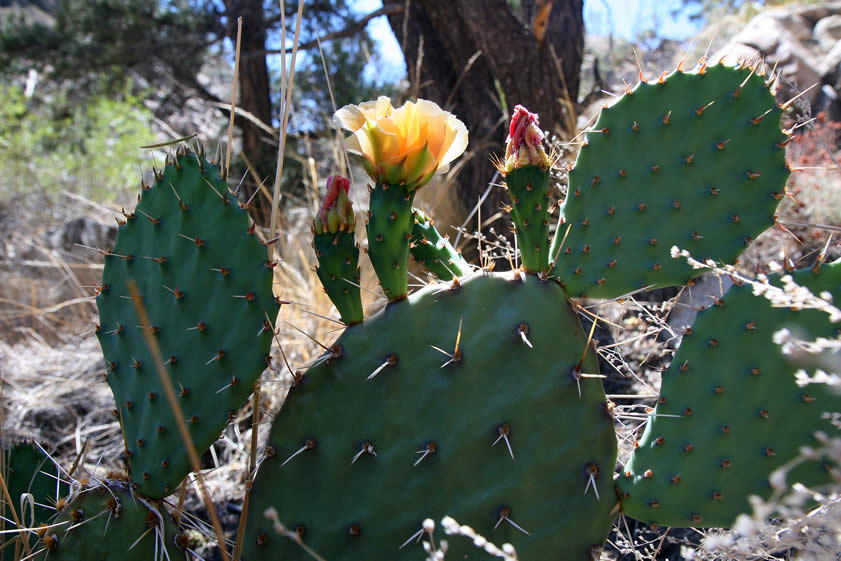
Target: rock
[
  {"x": 769, "y": 29},
  {"x": 829, "y": 65},
  {"x": 82, "y": 231},
  {"x": 782, "y": 37},
  {"x": 827, "y": 32},
  {"x": 798, "y": 65},
  {"x": 816, "y": 12},
  {"x": 706, "y": 289}
]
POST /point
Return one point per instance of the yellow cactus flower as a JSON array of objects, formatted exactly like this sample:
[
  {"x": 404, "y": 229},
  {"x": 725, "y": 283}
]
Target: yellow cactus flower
[{"x": 407, "y": 145}]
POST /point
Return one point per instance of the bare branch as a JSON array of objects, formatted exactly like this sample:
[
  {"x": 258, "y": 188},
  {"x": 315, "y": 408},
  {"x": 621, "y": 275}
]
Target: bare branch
[{"x": 352, "y": 29}]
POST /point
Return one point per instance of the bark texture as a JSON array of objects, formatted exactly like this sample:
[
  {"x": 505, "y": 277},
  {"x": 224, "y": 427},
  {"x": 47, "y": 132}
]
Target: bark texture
[{"x": 254, "y": 95}]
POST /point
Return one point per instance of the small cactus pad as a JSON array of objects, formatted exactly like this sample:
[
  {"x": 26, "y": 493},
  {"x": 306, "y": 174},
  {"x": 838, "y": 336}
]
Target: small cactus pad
[
  {"x": 460, "y": 400},
  {"x": 338, "y": 271},
  {"x": 107, "y": 522},
  {"x": 206, "y": 285},
  {"x": 731, "y": 412},
  {"x": 528, "y": 188},
  {"x": 434, "y": 251},
  {"x": 335, "y": 247},
  {"x": 695, "y": 159},
  {"x": 389, "y": 231}
]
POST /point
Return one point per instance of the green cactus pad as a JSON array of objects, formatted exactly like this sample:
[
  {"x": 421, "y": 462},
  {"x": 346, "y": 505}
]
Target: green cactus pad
[
  {"x": 730, "y": 413},
  {"x": 108, "y": 522},
  {"x": 338, "y": 270},
  {"x": 207, "y": 288},
  {"x": 26, "y": 469},
  {"x": 432, "y": 420},
  {"x": 389, "y": 230},
  {"x": 434, "y": 251},
  {"x": 528, "y": 188},
  {"x": 683, "y": 162}
]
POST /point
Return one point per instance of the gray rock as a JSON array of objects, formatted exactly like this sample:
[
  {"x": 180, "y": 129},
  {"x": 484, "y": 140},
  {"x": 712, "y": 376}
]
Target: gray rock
[
  {"x": 813, "y": 13},
  {"x": 827, "y": 32},
  {"x": 701, "y": 295},
  {"x": 780, "y": 37},
  {"x": 82, "y": 231},
  {"x": 829, "y": 65}
]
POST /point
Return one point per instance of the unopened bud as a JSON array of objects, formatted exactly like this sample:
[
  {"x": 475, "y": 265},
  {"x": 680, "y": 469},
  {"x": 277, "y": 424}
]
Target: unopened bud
[
  {"x": 336, "y": 212},
  {"x": 524, "y": 145}
]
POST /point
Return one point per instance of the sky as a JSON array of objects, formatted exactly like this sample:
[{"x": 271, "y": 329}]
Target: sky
[{"x": 625, "y": 18}]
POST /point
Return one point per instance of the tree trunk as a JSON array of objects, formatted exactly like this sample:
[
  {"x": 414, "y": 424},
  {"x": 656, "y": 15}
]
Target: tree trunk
[
  {"x": 254, "y": 96},
  {"x": 444, "y": 34}
]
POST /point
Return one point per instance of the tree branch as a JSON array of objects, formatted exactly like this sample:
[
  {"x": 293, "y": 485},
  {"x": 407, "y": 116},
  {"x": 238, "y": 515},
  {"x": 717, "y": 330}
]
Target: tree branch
[{"x": 352, "y": 29}]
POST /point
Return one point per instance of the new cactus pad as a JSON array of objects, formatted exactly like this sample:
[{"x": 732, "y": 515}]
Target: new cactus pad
[
  {"x": 526, "y": 170},
  {"x": 206, "y": 285},
  {"x": 337, "y": 252},
  {"x": 389, "y": 231},
  {"x": 694, "y": 159},
  {"x": 435, "y": 423},
  {"x": 434, "y": 251},
  {"x": 730, "y": 414}
]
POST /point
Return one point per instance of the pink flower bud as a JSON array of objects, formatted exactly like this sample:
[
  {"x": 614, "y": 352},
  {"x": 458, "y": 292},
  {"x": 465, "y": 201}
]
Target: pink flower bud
[
  {"x": 524, "y": 145},
  {"x": 336, "y": 212}
]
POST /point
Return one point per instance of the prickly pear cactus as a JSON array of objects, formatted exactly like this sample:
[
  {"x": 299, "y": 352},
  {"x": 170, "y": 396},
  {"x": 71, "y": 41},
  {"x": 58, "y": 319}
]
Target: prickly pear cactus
[
  {"x": 457, "y": 370},
  {"x": 206, "y": 285},
  {"x": 108, "y": 521},
  {"x": 456, "y": 401},
  {"x": 731, "y": 412},
  {"x": 479, "y": 398},
  {"x": 694, "y": 159}
]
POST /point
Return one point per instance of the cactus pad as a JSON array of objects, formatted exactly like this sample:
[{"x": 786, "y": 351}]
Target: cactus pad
[
  {"x": 731, "y": 413},
  {"x": 338, "y": 271},
  {"x": 389, "y": 231},
  {"x": 108, "y": 522},
  {"x": 434, "y": 251},
  {"x": 528, "y": 188},
  {"x": 489, "y": 429},
  {"x": 695, "y": 159},
  {"x": 26, "y": 469},
  {"x": 206, "y": 285}
]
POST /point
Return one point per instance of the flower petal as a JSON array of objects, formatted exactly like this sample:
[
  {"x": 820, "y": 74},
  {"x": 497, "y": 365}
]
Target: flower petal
[
  {"x": 458, "y": 143},
  {"x": 349, "y": 117}
]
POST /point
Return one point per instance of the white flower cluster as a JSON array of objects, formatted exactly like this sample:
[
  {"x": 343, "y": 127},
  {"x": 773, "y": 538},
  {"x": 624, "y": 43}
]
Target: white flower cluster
[
  {"x": 451, "y": 527},
  {"x": 789, "y": 295}
]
